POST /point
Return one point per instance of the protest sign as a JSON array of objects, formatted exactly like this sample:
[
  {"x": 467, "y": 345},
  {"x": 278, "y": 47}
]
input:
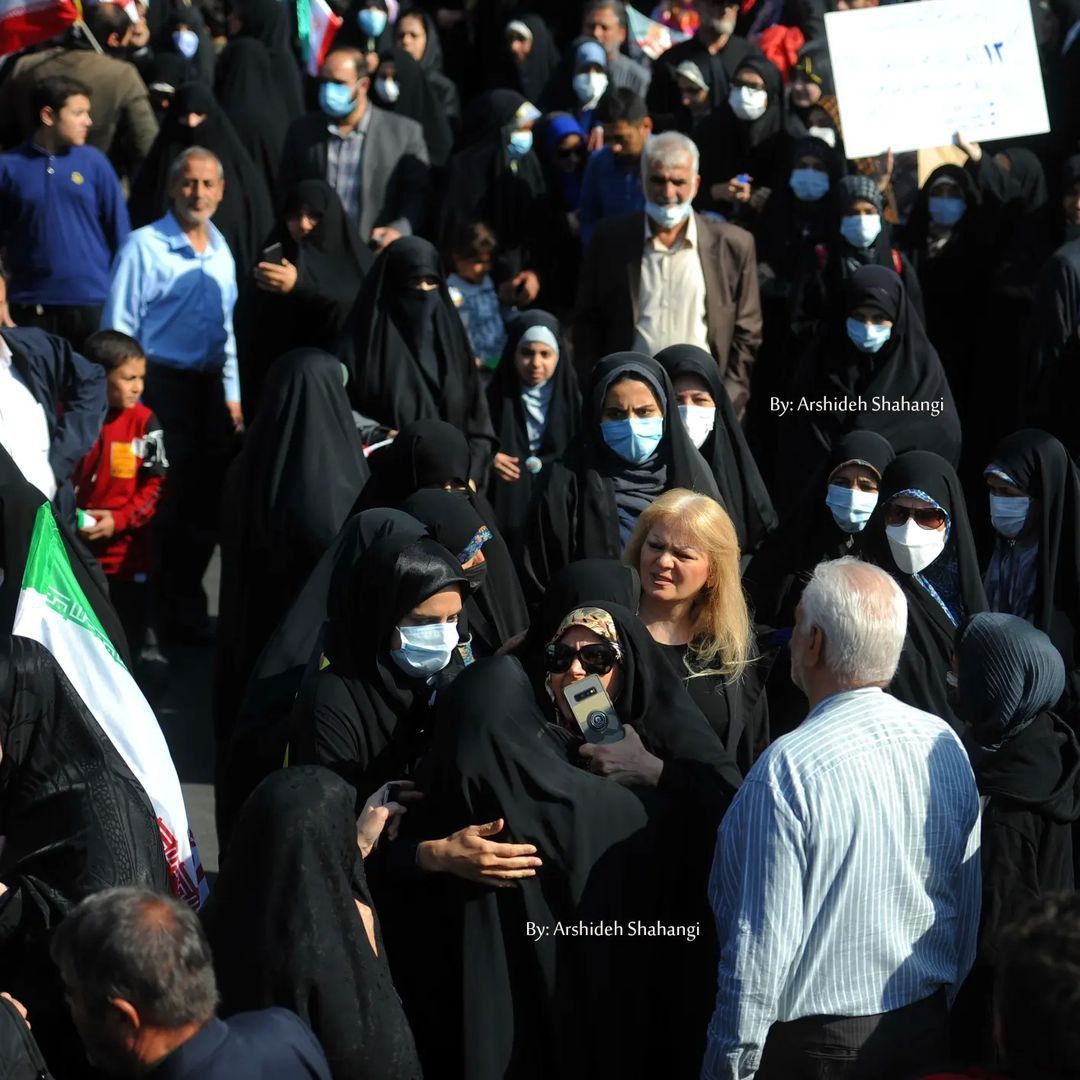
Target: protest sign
[{"x": 909, "y": 76}]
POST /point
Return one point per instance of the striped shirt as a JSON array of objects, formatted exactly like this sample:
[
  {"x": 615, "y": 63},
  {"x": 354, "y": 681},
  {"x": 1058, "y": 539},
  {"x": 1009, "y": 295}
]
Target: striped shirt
[
  {"x": 846, "y": 880},
  {"x": 344, "y": 163}
]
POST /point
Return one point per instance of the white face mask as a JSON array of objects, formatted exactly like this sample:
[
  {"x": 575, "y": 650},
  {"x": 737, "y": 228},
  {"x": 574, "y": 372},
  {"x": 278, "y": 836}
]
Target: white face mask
[
  {"x": 187, "y": 43},
  {"x": 388, "y": 90},
  {"x": 589, "y": 87},
  {"x": 699, "y": 420},
  {"x": 747, "y": 103},
  {"x": 826, "y": 135},
  {"x": 913, "y": 547},
  {"x": 425, "y": 650},
  {"x": 668, "y": 215}
]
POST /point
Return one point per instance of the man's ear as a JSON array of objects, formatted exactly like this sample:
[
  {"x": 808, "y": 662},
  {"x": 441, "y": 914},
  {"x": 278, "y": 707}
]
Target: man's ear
[
  {"x": 815, "y": 648},
  {"x": 47, "y": 116},
  {"x": 128, "y": 1014},
  {"x": 646, "y": 125}
]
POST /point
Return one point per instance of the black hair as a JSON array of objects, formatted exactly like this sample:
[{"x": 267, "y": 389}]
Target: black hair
[
  {"x": 620, "y": 104},
  {"x": 471, "y": 240},
  {"x": 104, "y": 20},
  {"x": 143, "y": 947},
  {"x": 110, "y": 349},
  {"x": 53, "y": 93},
  {"x": 1037, "y": 995}
]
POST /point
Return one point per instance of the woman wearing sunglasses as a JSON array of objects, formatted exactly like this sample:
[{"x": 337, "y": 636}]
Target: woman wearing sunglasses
[
  {"x": 919, "y": 533},
  {"x": 687, "y": 554},
  {"x": 673, "y": 760}
]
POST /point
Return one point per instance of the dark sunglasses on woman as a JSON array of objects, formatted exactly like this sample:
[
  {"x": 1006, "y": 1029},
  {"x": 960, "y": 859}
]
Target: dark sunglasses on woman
[
  {"x": 926, "y": 517},
  {"x": 597, "y": 659}
]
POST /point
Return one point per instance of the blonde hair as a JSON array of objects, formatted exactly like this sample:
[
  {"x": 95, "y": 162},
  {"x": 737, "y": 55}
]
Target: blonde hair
[{"x": 721, "y": 639}]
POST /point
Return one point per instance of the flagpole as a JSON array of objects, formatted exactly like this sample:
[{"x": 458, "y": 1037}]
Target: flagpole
[{"x": 80, "y": 22}]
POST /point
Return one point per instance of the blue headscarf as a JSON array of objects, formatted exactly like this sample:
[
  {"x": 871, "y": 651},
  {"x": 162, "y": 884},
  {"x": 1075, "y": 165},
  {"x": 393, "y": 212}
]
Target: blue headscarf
[{"x": 560, "y": 125}]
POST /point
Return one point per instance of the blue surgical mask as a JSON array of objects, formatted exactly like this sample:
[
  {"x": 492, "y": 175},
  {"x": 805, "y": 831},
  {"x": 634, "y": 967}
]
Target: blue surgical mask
[
  {"x": 1008, "y": 514},
  {"x": 636, "y": 439},
  {"x": 186, "y": 42},
  {"x": 868, "y": 337},
  {"x": 372, "y": 21},
  {"x": 860, "y": 230},
  {"x": 425, "y": 650},
  {"x": 520, "y": 144},
  {"x": 809, "y": 184},
  {"x": 850, "y": 507},
  {"x": 667, "y": 217},
  {"x": 336, "y": 100},
  {"x": 946, "y": 212}
]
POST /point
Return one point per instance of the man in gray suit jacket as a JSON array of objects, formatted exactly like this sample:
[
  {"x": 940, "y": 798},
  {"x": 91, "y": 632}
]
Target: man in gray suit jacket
[{"x": 376, "y": 161}]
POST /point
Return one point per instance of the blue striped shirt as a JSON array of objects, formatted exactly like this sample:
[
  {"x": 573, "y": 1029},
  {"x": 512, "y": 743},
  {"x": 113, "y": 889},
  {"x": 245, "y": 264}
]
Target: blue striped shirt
[{"x": 846, "y": 880}]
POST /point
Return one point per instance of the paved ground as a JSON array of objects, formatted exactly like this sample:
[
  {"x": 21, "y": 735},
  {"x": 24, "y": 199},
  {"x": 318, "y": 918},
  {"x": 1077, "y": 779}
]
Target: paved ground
[{"x": 184, "y": 712}]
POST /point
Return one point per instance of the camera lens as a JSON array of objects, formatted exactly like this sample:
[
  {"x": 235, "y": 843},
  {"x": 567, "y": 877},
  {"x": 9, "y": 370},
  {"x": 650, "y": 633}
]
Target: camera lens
[{"x": 598, "y": 721}]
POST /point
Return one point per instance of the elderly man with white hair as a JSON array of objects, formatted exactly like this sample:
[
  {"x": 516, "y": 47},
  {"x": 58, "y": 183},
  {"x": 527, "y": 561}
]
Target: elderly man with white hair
[
  {"x": 846, "y": 882},
  {"x": 670, "y": 276}
]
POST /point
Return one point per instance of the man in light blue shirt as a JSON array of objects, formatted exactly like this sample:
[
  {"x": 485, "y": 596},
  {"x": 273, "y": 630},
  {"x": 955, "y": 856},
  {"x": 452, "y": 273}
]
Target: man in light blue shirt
[
  {"x": 846, "y": 882},
  {"x": 173, "y": 289}
]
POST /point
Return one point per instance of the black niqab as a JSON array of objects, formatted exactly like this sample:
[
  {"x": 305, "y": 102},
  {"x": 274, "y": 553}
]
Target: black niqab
[
  {"x": 285, "y": 929},
  {"x": 726, "y": 451},
  {"x": 408, "y": 354},
  {"x": 930, "y": 643}
]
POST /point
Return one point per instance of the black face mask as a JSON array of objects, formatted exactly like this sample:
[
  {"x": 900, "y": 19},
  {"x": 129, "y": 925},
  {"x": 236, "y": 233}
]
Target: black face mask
[{"x": 476, "y": 575}]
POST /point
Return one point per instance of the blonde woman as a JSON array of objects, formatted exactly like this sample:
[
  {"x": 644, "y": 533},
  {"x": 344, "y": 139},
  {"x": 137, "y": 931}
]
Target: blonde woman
[{"x": 685, "y": 549}]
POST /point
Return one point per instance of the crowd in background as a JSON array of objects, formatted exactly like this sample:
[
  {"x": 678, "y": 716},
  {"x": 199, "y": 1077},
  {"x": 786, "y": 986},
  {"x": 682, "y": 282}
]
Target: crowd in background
[{"x": 509, "y": 355}]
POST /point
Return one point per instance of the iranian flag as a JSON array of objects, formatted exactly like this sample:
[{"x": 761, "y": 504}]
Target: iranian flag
[
  {"x": 26, "y": 22},
  {"x": 319, "y": 24},
  {"x": 54, "y": 611}
]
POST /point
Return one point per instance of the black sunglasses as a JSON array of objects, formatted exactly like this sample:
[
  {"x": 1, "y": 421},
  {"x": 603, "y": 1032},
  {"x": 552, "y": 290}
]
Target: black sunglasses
[{"x": 597, "y": 659}]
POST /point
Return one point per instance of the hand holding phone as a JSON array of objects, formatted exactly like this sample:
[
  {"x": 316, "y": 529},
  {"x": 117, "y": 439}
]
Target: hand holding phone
[{"x": 591, "y": 707}]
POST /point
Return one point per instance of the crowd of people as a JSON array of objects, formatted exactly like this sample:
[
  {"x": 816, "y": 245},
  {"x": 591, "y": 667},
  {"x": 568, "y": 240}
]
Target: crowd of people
[{"x": 649, "y": 552}]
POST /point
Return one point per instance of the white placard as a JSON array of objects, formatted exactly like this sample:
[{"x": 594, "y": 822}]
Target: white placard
[{"x": 909, "y": 76}]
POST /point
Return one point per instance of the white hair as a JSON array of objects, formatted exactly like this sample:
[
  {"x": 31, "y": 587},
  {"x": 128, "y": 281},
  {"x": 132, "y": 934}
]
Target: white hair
[
  {"x": 200, "y": 152},
  {"x": 862, "y": 614},
  {"x": 670, "y": 148}
]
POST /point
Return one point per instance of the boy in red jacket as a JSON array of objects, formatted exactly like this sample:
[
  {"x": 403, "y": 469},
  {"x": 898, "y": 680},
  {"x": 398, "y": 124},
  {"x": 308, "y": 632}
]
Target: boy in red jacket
[{"x": 118, "y": 484}]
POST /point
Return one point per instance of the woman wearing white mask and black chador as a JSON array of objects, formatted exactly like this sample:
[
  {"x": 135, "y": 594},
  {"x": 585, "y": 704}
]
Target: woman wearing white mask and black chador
[
  {"x": 919, "y": 533},
  {"x": 709, "y": 418}
]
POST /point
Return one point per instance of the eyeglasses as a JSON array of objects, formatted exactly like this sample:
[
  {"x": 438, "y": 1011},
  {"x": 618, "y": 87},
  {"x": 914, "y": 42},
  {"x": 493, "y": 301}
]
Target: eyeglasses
[
  {"x": 926, "y": 517},
  {"x": 571, "y": 152},
  {"x": 596, "y": 659}
]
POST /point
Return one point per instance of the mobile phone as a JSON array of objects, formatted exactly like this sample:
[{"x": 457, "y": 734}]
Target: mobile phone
[
  {"x": 275, "y": 253},
  {"x": 392, "y": 793},
  {"x": 592, "y": 709}
]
